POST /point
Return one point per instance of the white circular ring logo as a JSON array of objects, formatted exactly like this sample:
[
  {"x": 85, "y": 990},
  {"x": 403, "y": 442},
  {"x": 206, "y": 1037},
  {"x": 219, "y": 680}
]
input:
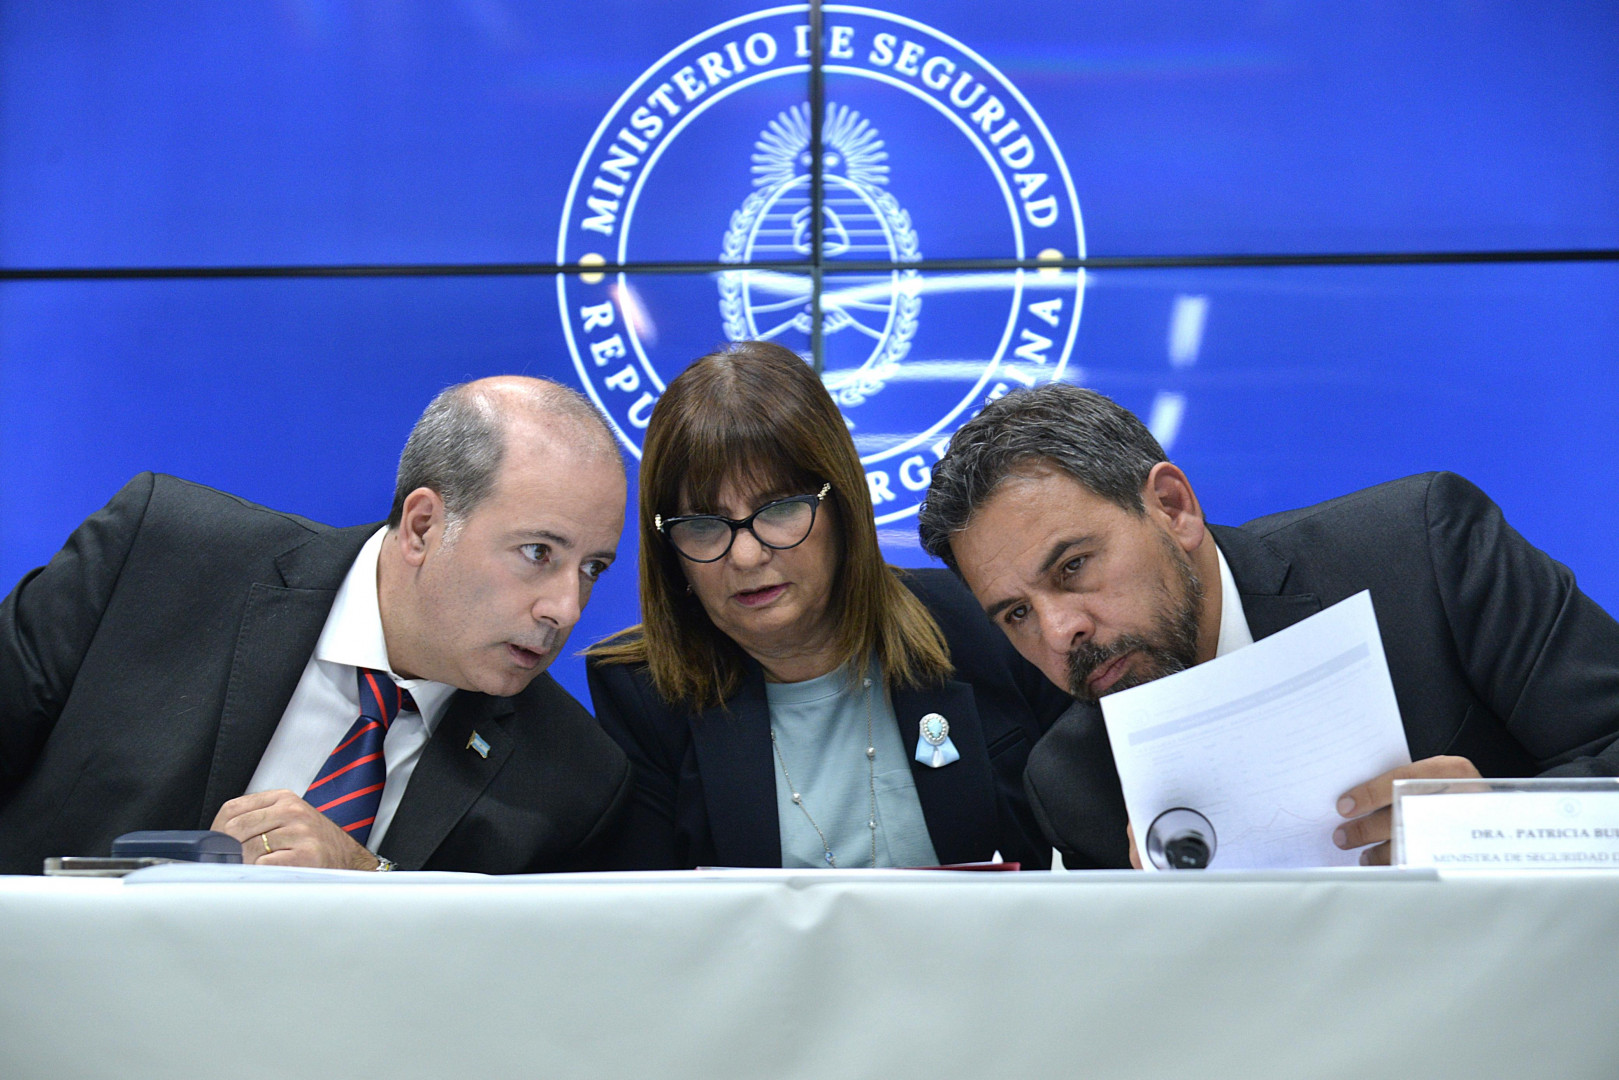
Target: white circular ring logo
[{"x": 931, "y": 133}]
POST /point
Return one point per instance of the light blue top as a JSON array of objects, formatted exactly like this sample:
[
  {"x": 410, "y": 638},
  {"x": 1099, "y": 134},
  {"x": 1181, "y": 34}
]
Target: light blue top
[{"x": 820, "y": 731}]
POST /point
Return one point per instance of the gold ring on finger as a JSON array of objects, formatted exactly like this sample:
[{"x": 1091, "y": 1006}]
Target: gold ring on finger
[{"x": 266, "y": 838}]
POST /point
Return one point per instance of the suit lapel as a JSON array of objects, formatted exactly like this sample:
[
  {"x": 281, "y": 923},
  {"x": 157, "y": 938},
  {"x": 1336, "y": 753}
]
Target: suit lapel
[
  {"x": 1273, "y": 595},
  {"x": 734, "y": 744},
  {"x": 281, "y": 621},
  {"x": 957, "y": 800},
  {"x": 450, "y": 776}
]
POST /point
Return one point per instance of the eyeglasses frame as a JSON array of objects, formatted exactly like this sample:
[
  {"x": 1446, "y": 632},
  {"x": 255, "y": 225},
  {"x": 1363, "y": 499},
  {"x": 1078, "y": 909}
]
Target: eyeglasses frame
[{"x": 663, "y": 525}]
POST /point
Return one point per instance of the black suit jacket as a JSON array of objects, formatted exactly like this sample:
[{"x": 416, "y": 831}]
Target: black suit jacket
[
  {"x": 706, "y": 781},
  {"x": 1495, "y": 654},
  {"x": 143, "y": 671}
]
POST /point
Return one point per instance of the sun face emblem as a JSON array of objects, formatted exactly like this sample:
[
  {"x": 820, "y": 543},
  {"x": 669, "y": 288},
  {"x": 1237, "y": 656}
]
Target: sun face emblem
[{"x": 868, "y": 320}]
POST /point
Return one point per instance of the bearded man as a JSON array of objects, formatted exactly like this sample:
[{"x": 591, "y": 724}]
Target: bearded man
[{"x": 1090, "y": 551}]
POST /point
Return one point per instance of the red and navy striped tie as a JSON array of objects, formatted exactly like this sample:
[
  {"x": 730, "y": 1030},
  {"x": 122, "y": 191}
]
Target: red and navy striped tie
[{"x": 348, "y": 788}]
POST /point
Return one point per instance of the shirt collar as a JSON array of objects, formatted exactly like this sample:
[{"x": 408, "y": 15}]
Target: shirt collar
[
  {"x": 1234, "y": 632},
  {"x": 353, "y": 633}
]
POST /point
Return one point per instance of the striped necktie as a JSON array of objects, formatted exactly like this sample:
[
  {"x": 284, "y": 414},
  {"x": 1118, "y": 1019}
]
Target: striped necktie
[{"x": 348, "y": 788}]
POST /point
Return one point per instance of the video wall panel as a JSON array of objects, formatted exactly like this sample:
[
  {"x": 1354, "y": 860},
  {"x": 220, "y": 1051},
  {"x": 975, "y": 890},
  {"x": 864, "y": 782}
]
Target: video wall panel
[
  {"x": 201, "y": 134},
  {"x": 327, "y": 132},
  {"x": 1277, "y": 388}
]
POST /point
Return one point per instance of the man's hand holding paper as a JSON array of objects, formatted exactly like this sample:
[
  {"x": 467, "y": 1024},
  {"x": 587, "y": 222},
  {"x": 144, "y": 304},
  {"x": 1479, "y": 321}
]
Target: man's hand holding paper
[{"x": 1368, "y": 805}]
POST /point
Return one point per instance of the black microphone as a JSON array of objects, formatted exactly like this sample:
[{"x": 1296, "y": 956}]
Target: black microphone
[
  {"x": 138, "y": 850},
  {"x": 1180, "y": 839}
]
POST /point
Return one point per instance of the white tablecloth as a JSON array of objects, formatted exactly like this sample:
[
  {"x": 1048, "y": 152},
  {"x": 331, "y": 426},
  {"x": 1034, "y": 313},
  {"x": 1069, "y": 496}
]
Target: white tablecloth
[{"x": 1356, "y": 974}]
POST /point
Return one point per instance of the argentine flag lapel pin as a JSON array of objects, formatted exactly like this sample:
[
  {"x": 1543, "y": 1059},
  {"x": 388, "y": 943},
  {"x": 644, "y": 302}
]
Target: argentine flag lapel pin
[{"x": 478, "y": 743}]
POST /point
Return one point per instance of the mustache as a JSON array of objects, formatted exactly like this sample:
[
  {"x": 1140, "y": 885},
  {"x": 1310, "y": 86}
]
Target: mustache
[
  {"x": 1085, "y": 659},
  {"x": 543, "y": 639},
  {"x": 1170, "y": 645}
]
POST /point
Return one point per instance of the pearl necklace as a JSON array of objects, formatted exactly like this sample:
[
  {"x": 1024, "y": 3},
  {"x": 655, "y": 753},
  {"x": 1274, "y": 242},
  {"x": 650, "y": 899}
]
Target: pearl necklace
[{"x": 871, "y": 779}]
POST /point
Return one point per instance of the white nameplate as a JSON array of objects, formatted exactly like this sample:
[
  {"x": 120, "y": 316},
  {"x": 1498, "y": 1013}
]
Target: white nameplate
[{"x": 1507, "y": 824}]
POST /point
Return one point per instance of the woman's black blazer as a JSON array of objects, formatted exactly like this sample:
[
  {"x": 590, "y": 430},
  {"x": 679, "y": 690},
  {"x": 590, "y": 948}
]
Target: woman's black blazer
[{"x": 705, "y": 781}]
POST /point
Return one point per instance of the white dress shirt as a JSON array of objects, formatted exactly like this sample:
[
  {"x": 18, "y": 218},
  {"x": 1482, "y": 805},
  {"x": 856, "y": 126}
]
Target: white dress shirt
[
  {"x": 1234, "y": 632},
  {"x": 327, "y": 700}
]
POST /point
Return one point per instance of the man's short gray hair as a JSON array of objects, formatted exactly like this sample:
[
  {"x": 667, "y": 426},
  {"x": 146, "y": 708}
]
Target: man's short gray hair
[
  {"x": 457, "y": 445},
  {"x": 1092, "y": 439}
]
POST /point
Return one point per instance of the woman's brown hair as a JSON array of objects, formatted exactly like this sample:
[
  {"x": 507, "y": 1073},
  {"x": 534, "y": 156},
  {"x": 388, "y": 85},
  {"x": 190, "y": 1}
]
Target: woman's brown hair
[{"x": 755, "y": 413}]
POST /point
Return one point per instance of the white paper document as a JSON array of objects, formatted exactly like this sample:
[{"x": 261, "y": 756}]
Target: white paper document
[{"x": 1263, "y": 741}]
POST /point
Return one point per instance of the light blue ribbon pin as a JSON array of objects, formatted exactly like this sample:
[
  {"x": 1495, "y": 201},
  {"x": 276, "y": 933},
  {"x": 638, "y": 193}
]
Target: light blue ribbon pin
[{"x": 934, "y": 748}]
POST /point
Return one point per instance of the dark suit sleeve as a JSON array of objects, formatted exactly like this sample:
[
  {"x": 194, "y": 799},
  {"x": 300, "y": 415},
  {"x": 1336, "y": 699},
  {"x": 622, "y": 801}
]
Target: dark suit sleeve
[
  {"x": 1017, "y": 704},
  {"x": 646, "y": 836},
  {"x": 1038, "y": 706},
  {"x": 1074, "y": 792},
  {"x": 1541, "y": 654},
  {"x": 48, "y": 622}
]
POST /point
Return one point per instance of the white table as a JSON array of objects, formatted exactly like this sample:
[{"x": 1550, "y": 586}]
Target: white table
[{"x": 1356, "y": 974}]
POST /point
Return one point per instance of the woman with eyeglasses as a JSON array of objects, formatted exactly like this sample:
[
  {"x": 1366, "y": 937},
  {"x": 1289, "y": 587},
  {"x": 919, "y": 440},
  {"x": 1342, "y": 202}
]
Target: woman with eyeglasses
[{"x": 789, "y": 699}]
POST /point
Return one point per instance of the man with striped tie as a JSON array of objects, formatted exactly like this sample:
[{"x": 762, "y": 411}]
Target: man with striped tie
[{"x": 353, "y": 698}]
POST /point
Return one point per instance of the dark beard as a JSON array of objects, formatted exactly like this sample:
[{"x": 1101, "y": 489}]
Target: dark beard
[{"x": 1169, "y": 647}]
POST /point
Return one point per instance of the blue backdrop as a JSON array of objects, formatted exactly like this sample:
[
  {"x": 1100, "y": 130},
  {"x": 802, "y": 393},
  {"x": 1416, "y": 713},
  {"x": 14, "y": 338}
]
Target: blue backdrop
[{"x": 317, "y": 133}]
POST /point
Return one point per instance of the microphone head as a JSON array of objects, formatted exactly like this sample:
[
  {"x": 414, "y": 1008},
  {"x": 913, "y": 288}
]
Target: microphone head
[{"x": 1180, "y": 839}]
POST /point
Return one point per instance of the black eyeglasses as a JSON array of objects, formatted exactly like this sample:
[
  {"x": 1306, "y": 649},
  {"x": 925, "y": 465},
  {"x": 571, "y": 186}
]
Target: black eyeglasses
[{"x": 781, "y": 524}]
